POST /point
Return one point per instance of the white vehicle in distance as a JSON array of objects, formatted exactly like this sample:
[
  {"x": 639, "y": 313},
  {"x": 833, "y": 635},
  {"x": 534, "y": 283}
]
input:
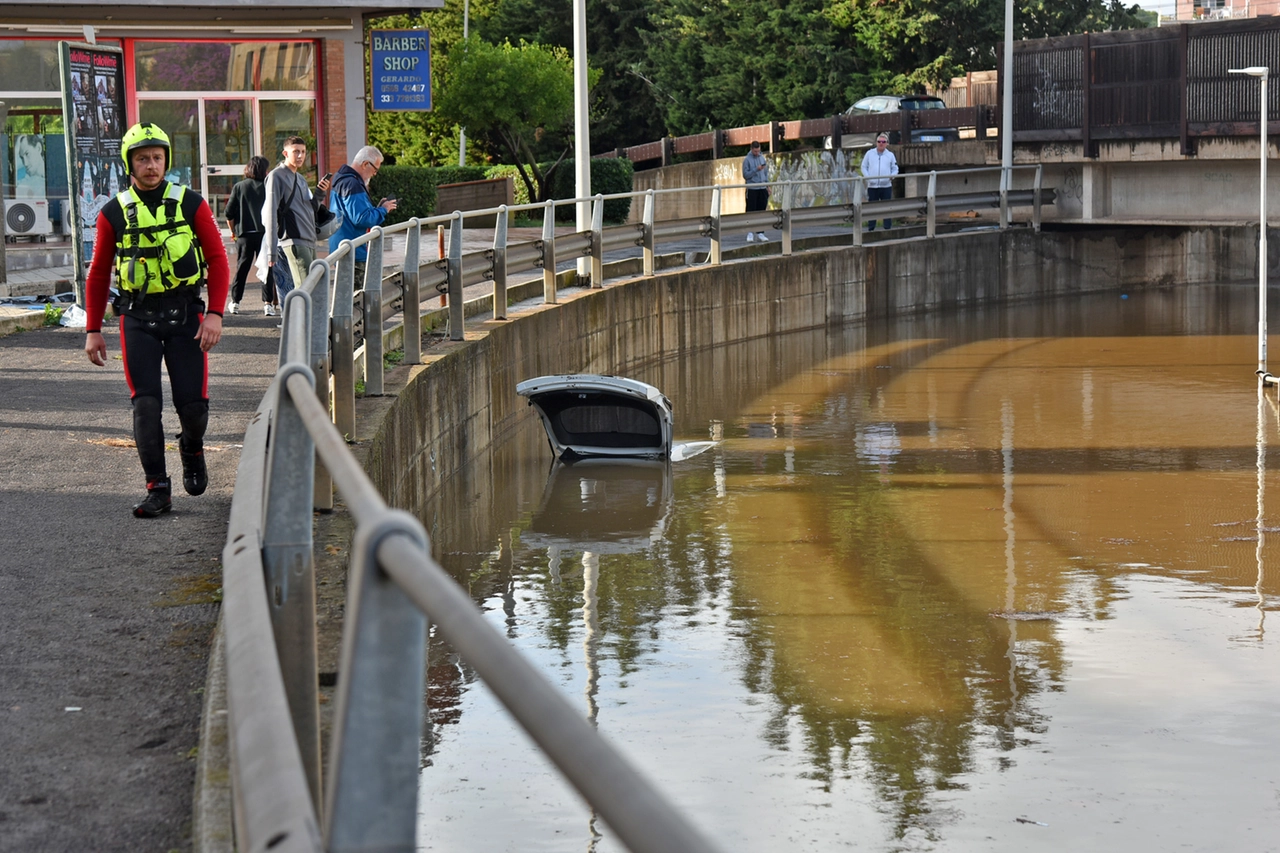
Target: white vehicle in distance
[{"x": 886, "y": 104}]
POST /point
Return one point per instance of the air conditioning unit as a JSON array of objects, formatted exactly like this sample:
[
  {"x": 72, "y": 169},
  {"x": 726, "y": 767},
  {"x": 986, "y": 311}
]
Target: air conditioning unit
[{"x": 27, "y": 217}]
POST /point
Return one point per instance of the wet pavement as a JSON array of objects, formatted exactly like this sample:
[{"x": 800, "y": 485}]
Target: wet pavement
[{"x": 993, "y": 581}]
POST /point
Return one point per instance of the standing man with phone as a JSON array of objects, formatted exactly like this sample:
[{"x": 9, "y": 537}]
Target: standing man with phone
[
  {"x": 879, "y": 166},
  {"x": 289, "y": 220},
  {"x": 755, "y": 173},
  {"x": 351, "y": 201}
]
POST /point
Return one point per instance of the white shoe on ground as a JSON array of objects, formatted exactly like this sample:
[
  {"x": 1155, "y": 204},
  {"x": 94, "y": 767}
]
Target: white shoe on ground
[
  {"x": 751, "y": 238},
  {"x": 233, "y": 307},
  {"x": 761, "y": 238},
  {"x": 268, "y": 310}
]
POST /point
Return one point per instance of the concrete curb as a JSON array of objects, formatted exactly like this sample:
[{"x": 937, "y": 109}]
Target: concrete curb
[
  {"x": 212, "y": 829},
  {"x": 19, "y": 320}
]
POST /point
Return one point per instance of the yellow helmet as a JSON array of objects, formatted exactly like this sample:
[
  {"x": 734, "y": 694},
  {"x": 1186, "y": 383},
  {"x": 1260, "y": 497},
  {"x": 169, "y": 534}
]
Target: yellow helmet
[{"x": 143, "y": 135}]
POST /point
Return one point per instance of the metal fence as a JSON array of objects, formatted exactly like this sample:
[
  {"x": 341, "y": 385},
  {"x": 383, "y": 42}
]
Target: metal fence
[{"x": 369, "y": 800}]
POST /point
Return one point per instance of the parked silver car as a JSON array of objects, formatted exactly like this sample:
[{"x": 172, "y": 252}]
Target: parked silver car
[{"x": 883, "y": 104}]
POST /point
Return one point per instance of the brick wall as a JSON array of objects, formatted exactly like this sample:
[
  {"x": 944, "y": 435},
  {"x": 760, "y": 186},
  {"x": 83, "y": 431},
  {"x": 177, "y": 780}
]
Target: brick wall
[{"x": 335, "y": 101}]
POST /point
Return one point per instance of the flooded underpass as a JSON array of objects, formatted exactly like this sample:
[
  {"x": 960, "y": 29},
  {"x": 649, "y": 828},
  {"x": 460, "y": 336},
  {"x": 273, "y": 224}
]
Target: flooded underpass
[{"x": 993, "y": 581}]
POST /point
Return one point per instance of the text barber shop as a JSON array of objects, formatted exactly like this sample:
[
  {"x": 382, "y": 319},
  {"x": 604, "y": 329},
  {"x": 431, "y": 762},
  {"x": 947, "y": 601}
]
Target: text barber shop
[{"x": 226, "y": 82}]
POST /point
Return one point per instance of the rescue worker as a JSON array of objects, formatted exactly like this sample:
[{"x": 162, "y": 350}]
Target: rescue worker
[{"x": 163, "y": 243}]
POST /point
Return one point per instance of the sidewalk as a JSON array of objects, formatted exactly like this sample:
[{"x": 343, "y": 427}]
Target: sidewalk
[{"x": 105, "y": 619}]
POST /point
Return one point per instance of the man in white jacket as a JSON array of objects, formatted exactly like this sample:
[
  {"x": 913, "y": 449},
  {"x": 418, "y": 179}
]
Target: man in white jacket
[{"x": 879, "y": 166}]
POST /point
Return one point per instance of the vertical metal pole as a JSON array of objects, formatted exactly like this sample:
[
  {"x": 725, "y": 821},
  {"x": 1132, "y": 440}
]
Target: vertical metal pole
[
  {"x": 715, "y": 226},
  {"x": 500, "y": 265},
  {"x": 1262, "y": 235},
  {"x": 1036, "y": 210},
  {"x": 456, "y": 316},
  {"x": 462, "y": 131},
  {"x": 597, "y": 241},
  {"x": 322, "y": 498},
  {"x": 581, "y": 124},
  {"x": 931, "y": 196},
  {"x": 344, "y": 371},
  {"x": 412, "y": 279},
  {"x": 373, "y": 315},
  {"x": 549, "y": 252},
  {"x": 372, "y": 800},
  {"x": 788, "y": 194},
  {"x": 647, "y": 225},
  {"x": 1004, "y": 197},
  {"x": 858, "y": 193},
  {"x": 1006, "y": 85},
  {"x": 288, "y": 557}
]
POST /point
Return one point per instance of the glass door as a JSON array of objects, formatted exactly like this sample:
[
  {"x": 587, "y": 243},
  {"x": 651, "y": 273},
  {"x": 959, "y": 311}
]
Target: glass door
[
  {"x": 229, "y": 142},
  {"x": 212, "y": 140}
]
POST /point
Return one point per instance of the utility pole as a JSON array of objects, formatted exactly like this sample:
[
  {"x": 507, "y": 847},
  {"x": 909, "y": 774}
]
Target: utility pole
[
  {"x": 462, "y": 131},
  {"x": 581, "y": 128}
]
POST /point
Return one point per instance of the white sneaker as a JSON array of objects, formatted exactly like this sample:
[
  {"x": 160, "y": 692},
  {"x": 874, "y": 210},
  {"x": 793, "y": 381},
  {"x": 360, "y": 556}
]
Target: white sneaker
[
  {"x": 751, "y": 238},
  {"x": 233, "y": 307},
  {"x": 760, "y": 236},
  {"x": 268, "y": 310}
]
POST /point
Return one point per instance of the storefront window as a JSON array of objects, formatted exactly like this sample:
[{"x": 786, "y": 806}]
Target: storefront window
[
  {"x": 29, "y": 65},
  {"x": 225, "y": 66},
  {"x": 282, "y": 119},
  {"x": 33, "y": 153},
  {"x": 180, "y": 121}
]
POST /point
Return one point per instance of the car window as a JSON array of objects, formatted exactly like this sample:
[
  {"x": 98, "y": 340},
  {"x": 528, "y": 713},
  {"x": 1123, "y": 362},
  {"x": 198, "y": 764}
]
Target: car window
[
  {"x": 923, "y": 104},
  {"x": 862, "y": 107},
  {"x": 884, "y": 105}
]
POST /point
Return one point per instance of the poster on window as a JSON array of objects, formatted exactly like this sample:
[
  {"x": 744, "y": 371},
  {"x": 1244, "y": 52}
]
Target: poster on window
[{"x": 93, "y": 110}]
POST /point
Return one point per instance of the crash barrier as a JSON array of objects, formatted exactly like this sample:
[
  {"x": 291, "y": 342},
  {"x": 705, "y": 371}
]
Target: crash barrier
[{"x": 369, "y": 798}]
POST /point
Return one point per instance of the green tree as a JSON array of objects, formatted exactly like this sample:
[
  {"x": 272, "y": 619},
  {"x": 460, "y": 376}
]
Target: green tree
[
  {"x": 623, "y": 102},
  {"x": 515, "y": 95}
]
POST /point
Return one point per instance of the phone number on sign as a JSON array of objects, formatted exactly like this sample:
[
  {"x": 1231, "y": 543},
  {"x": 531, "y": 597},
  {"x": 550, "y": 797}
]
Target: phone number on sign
[{"x": 416, "y": 87}]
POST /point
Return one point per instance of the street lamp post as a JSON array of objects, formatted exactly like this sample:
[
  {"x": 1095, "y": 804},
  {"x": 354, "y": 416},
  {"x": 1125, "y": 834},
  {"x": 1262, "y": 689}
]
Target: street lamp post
[
  {"x": 1262, "y": 73},
  {"x": 581, "y": 129},
  {"x": 462, "y": 131}
]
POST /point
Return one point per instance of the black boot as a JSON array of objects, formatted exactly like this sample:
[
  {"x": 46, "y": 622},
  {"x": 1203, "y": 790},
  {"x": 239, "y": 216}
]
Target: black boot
[
  {"x": 157, "y": 501},
  {"x": 195, "y": 420},
  {"x": 195, "y": 476}
]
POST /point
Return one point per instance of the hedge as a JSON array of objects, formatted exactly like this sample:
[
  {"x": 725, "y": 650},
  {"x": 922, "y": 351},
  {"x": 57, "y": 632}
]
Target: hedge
[
  {"x": 608, "y": 176},
  {"x": 415, "y": 187}
]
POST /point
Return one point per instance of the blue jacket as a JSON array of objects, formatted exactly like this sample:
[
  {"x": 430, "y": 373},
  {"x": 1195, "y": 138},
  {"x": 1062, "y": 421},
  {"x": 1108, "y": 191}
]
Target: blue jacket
[{"x": 349, "y": 198}]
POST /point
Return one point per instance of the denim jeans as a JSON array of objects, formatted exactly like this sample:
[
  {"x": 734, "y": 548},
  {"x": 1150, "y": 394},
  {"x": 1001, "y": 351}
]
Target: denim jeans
[{"x": 880, "y": 194}]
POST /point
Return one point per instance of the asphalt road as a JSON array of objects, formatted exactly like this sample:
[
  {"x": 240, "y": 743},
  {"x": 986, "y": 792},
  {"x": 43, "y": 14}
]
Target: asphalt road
[{"x": 105, "y": 619}]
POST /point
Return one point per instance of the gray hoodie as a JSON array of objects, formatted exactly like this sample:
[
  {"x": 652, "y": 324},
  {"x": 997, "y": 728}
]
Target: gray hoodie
[{"x": 285, "y": 185}]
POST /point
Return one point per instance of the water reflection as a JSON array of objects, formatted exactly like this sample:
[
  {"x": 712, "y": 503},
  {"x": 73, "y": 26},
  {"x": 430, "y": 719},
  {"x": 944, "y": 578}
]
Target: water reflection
[{"x": 937, "y": 573}]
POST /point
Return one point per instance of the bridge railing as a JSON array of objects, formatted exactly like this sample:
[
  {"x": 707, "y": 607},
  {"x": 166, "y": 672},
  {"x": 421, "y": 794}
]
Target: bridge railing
[{"x": 369, "y": 800}]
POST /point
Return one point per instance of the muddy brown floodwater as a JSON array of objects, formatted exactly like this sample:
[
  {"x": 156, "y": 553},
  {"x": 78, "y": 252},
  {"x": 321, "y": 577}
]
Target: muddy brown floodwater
[{"x": 996, "y": 581}]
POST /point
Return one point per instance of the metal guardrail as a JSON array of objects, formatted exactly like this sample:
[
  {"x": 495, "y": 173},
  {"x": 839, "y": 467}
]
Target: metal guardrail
[{"x": 369, "y": 800}]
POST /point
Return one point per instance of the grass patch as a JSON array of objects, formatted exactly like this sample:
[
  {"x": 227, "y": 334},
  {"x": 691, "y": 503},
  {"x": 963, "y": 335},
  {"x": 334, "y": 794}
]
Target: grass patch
[
  {"x": 52, "y": 314},
  {"x": 392, "y": 358}
]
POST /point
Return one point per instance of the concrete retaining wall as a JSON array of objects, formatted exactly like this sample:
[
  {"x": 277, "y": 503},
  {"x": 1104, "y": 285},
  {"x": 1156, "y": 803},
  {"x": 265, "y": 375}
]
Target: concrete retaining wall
[{"x": 463, "y": 398}]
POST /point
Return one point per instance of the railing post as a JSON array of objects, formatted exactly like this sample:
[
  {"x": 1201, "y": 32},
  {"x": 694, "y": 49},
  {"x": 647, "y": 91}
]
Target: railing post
[
  {"x": 344, "y": 371},
  {"x": 373, "y": 315},
  {"x": 412, "y": 279},
  {"x": 287, "y": 551},
  {"x": 549, "y": 252},
  {"x": 322, "y": 498},
  {"x": 456, "y": 316},
  {"x": 1004, "y": 199},
  {"x": 857, "y": 211},
  {"x": 715, "y": 226},
  {"x": 500, "y": 265},
  {"x": 1035, "y": 210},
  {"x": 372, "y": 797},
  {"x": 788, "y": 194},
  {"x": 597, "y": 241},
  {"x": 931, "y": 196},
  {"x": 647, "y": 234}
]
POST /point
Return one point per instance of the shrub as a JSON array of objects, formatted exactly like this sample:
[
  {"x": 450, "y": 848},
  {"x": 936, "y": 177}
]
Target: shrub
[
  {"x": 458, "y": 174},
  {"x": 608, "y": 176},
  {"x": 413, "y": 187}
]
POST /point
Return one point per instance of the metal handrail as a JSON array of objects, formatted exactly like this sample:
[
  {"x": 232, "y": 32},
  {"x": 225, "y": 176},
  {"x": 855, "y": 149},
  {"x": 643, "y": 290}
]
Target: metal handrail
[{"x": 370, "y": 800}]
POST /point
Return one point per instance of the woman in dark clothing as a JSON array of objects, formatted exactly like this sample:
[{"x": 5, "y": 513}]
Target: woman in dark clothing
[{"x": 244, "y": 215}]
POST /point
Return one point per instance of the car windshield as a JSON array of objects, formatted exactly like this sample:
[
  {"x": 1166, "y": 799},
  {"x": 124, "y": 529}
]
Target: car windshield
[{"x": 922, "y": 104}]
